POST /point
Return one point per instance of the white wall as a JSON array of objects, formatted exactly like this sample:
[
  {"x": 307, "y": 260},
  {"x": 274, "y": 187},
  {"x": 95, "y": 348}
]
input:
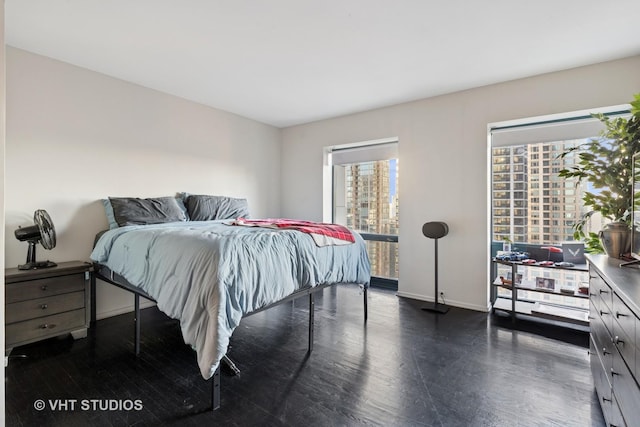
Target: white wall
[
  {"x": 443, "y": 166},
  {"x": 2, "y": 145},
  {"x": 75, "y": 136}
]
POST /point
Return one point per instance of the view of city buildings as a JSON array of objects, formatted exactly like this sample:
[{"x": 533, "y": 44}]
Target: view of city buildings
[
  {"x": 531, "y": 203},
  {"x": 372, "y": 206}
]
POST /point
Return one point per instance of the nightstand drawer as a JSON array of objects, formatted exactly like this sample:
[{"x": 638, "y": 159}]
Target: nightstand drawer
[
  {"x": 44, "y": 327},
  {"x": 39, "y": 288},
  {"x": 41, "y": 307}
]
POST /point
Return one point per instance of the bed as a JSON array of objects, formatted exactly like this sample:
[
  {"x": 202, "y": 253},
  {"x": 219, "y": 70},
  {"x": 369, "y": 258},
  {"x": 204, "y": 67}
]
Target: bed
[{"x": 210, "y": 270}]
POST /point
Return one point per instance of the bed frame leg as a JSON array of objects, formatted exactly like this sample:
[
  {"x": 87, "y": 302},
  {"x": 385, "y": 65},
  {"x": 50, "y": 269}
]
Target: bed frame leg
[
  {"x": 366, "y": 311},
  {"x": 230, "y": 365},
  {"x": 312, "y": 306},
  {"x": 136, "y": 334},
  {"x": 215, "y": 389},
  {"x": 93, "y": 298}
]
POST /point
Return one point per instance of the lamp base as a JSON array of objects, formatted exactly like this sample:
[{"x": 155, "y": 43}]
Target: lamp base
[{"x": 436, "y": 308}]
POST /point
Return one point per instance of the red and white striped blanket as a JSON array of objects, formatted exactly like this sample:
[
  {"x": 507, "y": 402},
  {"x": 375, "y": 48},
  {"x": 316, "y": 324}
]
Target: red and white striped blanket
[{"x": 322, "y": 233}]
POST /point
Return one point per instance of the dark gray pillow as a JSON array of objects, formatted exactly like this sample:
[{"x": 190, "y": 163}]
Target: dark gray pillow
[
  {"x": 135, "y": 211},
  {"x": 206, "y": 208}
]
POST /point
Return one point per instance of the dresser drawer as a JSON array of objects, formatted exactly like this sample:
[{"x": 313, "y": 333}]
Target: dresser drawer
[
  {"x": 637, "y": 344},
  {"x": 626, "y": 350},
  {"x": 44, "y": 327},
  {"x": 599, "y": 287},
  {"x": 607, "y": 398},
  {"x": 603, "y": 344},
  {"x": 615, "y": 415},
  {"x": 624, "y": 316},
  {"x": 40, "y": 307},
  {"x": 626, "y": 390},
  {"x": 623, "y": 333},
  {"x": 601, "y": 374},
  {"x": 606, "y": 316},
  {"x": 595, "y": 301},
  {"x": 21, "y": 291}
]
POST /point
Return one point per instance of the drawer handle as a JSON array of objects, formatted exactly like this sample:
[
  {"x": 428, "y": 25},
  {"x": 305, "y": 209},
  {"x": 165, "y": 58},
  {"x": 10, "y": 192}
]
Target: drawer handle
[
  {"x": 44, "y": 306},
  {"x": 619, "y": 315},
  {"x": 602, "y": 313},
  {"x": 602, "y": 291},
  {"x": 44, "y": 287},
  {"x": 604, "y": 351},
  {"x": 617, "y": 340},
  {"x": 604, "y": 399},
  {"x": 47, "y": 326},
  {"x": 614, "y": 372}
]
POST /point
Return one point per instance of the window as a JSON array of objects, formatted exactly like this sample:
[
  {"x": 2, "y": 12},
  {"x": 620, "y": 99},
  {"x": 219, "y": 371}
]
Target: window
[
  {"x": 366, "y": 199},
  {"x": 529, "y": 154}
]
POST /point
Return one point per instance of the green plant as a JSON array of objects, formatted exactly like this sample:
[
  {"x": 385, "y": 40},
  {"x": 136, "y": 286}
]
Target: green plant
[
  {"x": 635, "y": 106},
  {"x": 606, "y": 163}
]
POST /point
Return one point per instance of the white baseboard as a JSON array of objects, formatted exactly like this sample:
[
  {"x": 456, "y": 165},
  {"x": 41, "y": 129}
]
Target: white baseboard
[
  {"x": 452, "y": 303},
  {"x": 123, "y": 310}
]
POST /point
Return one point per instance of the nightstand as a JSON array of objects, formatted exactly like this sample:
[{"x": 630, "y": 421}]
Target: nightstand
[{"x": 47, "y": 302}]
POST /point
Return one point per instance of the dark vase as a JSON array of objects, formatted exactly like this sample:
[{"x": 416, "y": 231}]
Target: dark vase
[{"x": 616, "y": 239}]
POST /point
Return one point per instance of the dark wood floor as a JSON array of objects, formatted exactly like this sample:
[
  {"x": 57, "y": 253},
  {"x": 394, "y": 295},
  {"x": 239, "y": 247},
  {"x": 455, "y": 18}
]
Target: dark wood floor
[{"x": 405, "y": 367}]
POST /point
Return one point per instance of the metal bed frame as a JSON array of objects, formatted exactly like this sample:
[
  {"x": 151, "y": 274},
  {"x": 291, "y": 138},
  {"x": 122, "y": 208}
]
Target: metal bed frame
[{"x": 103, "y": 273}]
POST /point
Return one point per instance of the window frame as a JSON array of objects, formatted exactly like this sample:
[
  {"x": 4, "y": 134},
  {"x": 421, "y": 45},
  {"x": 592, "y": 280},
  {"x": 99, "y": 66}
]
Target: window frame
[
  {"x": 375, "y": 145},
  {"x": 539, "y": 129}
]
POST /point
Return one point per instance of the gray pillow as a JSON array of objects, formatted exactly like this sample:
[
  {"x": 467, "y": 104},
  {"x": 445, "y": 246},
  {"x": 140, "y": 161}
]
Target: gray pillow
[
  {"x": 135, "y": 211},
  {"x": 206, "y": 208},
  {"x": 108, "y": 210}
]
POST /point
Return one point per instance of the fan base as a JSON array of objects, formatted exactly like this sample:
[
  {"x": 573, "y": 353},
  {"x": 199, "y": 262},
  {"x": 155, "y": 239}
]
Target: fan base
[{"x": 36, "y": 265}]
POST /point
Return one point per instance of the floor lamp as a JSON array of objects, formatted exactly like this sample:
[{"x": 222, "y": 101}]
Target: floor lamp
[{"x": 435, "y": 230}]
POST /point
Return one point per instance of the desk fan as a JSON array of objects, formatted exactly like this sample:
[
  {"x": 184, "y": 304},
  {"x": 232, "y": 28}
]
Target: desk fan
[{"x": 44, "y": 232}]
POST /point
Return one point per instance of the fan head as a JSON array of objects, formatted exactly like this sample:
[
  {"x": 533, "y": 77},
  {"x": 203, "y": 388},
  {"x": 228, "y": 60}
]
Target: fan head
[
  {"x": 47, "y": 231},
  {"x": 42, "y": 231}
]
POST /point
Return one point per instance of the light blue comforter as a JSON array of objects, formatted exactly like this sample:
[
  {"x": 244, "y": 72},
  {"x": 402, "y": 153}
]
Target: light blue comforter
[{"x": 209, "y": 275}]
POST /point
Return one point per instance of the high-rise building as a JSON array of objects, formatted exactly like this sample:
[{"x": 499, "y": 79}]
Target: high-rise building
[
  {"x": 372, "y": 207},
  {"x": 554, "y": 203},
  {"x": 531, "y": 203},
  {"x": 509, "y": 193}
]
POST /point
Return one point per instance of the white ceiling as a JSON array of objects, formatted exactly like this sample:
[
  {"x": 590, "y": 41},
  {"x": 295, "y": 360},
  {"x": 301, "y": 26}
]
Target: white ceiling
[{"x": 286, "y": 62}]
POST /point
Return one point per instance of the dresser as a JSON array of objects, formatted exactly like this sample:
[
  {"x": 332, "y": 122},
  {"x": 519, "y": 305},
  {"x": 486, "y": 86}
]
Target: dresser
[
  {"x": 614, "y": 297},
  {"x": 46, "y": 302}
]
